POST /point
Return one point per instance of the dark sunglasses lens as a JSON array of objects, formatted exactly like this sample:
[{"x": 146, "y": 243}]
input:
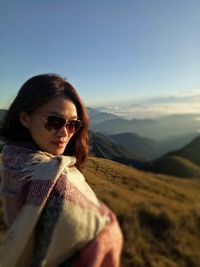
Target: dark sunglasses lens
[
  {"x": 55, "y": 123},
  {"x": 73, "y": 126}
]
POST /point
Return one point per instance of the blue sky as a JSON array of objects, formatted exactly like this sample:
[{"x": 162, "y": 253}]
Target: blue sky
[{"x": 111, "y": 50}]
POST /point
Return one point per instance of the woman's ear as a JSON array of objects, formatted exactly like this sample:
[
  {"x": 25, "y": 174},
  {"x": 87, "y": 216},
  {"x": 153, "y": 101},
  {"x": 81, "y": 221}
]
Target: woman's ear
[{"x": 24, "y": 118}]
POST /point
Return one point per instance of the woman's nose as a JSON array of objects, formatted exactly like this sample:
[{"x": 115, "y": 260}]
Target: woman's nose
[{"x": 62, "y": 132}]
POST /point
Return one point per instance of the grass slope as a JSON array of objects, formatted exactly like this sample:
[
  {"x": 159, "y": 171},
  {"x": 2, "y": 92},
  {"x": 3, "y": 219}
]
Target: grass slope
[
  {"x": 176, "y": 166},
  {"x": 184, "y": 162},
  {"x": 190, "y": 151},
  {"x": 159, "y": 215}
]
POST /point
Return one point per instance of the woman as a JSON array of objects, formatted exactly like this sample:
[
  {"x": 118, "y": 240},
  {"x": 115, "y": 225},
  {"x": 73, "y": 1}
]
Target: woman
[{"x": 53, "y": 216}]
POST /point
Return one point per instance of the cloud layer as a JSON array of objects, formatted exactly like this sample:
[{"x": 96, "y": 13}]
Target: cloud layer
[{"x": 186, "y": 103}]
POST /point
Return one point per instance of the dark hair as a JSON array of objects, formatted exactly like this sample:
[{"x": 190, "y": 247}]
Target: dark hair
[{"x": 37, "y": 91}]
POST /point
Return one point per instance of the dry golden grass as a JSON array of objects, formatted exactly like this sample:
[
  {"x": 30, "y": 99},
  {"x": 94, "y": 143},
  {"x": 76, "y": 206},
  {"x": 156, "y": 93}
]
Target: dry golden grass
[
  {"x": 177, "y": 166},
  {"x": 159, "y": 215}
]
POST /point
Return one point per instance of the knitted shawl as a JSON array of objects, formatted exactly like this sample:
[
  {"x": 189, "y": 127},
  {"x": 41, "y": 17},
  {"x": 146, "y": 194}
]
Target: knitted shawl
[{"x": 52, "y": 212}]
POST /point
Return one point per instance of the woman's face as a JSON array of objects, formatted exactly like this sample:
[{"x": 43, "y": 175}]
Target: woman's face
[{"x": 50, "y": 140}]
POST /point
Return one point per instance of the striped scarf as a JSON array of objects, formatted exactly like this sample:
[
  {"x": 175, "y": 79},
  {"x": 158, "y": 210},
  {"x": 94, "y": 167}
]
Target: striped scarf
[{"x": 51, "y": 211}]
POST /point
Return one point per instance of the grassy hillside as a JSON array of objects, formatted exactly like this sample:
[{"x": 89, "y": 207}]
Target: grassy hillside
[
  {"x": 159, "y": 215},
  {"x": 177, "y": 166},
  {"x": 190, "y": 151},
  {"x": 184, "y": 162}
]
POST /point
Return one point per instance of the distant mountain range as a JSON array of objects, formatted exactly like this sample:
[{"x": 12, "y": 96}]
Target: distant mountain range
[
  {"x": 145, "y": 148},
  {"x": 146, "y": 140},
  {"x": 157, "y": 129},
  {"x": 103, "y": 147},
  {"x": 97, "y": 116},
  {"x": 177, "y": 156},
  {"x": 183, "y": 163},
  {"x": 130, "y": 148}
]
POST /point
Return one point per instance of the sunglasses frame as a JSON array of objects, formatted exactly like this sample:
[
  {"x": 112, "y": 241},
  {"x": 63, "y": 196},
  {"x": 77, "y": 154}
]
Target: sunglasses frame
[{"x": 66, "y": 124}]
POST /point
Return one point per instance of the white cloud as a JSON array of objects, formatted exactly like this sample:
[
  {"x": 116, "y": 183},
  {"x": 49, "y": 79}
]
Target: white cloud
[
  {"x": 186, "y": 103},
  {"x": 190, "y": 93}
]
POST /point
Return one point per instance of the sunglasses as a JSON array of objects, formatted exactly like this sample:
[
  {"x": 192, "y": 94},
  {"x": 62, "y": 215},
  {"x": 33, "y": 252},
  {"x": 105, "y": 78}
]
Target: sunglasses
[{"x": 54, "y": 122}]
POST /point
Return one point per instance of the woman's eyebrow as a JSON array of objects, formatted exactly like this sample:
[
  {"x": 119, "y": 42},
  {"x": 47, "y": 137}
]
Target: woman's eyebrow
[
  {"x": 61, "y": 115},
  {"x": 55, "y": 113}
]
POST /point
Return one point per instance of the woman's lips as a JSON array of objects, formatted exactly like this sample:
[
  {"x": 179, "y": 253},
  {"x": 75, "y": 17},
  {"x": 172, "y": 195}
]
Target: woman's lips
[{"x": 59, "y": 143}]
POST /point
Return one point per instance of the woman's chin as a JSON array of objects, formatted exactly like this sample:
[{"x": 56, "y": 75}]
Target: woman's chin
[{"x": 55, "y": 150}]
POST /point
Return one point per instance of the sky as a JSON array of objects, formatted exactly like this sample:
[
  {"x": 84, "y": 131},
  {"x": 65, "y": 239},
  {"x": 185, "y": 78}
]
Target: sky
[{"x": 114, "y": 52}]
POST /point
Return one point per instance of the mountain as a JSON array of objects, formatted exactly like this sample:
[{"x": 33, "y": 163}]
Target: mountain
[
  {"x": 148, "y": 149},
  {"x": 190, "y": 152},
  {"x": 103, "y": 147},
  {"x": 157, "y": 129},
  {"x": 93, "y": 111},
  {"x": 159, "y": 215},
  {"x": 133, "y": 151},
  {"x": 2, "y": 114},
  {"x": 145, "y": 148},
  {"x": 176, "y": 142},
  {"x": 120, "y": 125},
  {"x": 176, "y": 166},
  {"x": 184, "y": 162},
  {"x": 97, "y": 116}
]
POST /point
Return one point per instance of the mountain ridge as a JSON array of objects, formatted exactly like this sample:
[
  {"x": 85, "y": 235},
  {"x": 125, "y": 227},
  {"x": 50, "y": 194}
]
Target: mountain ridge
[{"x": 184, "y": 162}]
